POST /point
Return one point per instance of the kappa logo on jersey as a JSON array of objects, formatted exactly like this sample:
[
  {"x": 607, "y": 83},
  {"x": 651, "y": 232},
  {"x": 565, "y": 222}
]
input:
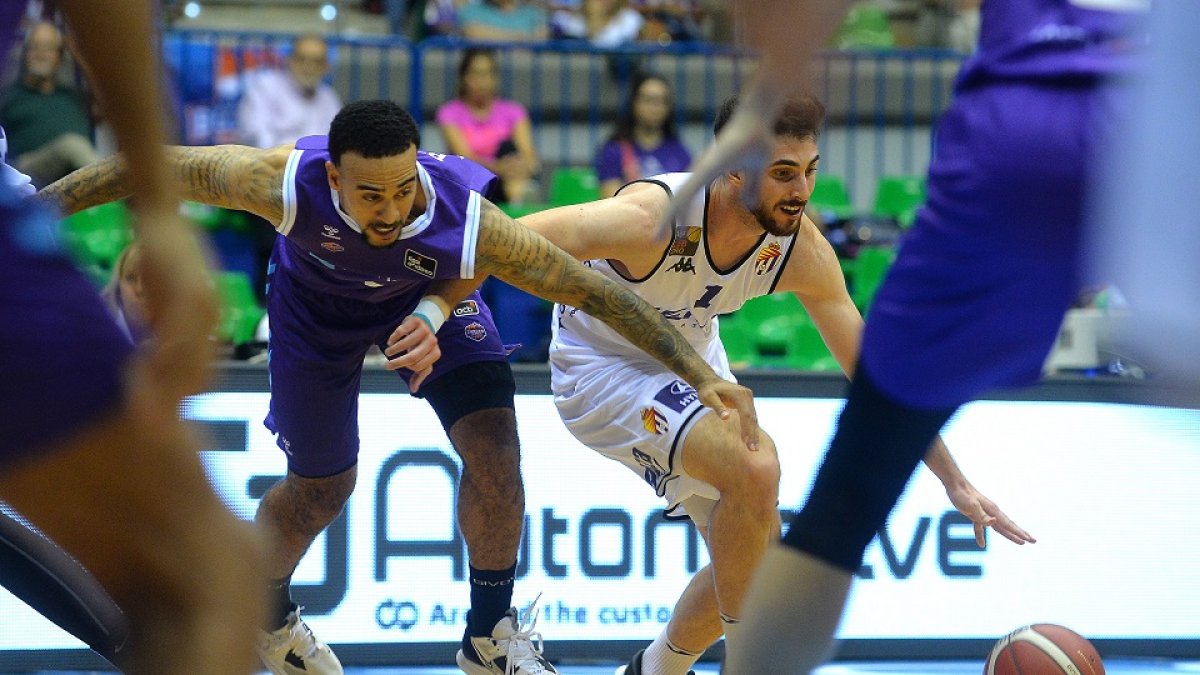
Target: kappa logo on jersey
[
  {"x": 332, "y": 247},
  {"x": 683, "y": 265},
  {"x": 329, "y": 231},
  {"x": 475, "y": 331},
  {"x": 767, "y": 258},
  {"x": 654, "y": 421},
  {"x": 420, "y": 263},
  {"x": 466, "y": 308},
  {"x": 677, "y": 396},
  {"x": 686, "y": 242}
]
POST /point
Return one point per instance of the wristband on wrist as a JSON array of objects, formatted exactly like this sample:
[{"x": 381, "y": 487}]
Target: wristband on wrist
[{"x": 429, "y": 312}]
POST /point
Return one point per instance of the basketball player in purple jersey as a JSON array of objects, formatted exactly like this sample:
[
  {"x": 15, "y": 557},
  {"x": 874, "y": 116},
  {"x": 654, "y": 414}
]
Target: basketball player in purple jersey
[
  {"x": 92, "y": 452},
  {"x": 974, "y": 300},
  {"x": 375, "y": 235}
]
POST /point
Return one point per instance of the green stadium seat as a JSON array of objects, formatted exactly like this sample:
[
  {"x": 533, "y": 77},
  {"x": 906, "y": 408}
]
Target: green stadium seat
[
  {"x": 865, "y": 27},
  {"x": 573, "y": 185},
  {"x": 96, "y": 236},
  {"x": 240, "y": 311},
  {"x": 830, "y": 195},
  {"x": 870, "y": 268},
  {"x": 775, "y": 331},
  {"x": 519, "y": 210},
  {"x": 898, "y": 197}
]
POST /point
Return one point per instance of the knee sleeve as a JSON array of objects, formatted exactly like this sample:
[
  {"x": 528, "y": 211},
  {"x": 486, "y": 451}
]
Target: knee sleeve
[
  {"x": 470, "y": 388},
  {"x": 874, "y": 452}
]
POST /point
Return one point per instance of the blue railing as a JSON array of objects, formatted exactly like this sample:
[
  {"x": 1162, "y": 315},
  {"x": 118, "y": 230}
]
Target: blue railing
[{"x": 881, "y": 104}]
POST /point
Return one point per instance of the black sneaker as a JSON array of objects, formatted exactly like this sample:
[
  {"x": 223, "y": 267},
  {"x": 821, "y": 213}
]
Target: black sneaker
[{"x": 634, "y": 667}]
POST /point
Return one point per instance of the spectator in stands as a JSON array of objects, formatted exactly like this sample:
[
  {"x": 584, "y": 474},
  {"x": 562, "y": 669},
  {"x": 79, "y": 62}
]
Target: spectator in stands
[
  {"x": 604, "y": 23},
  {"x": 667, "y": 21},
  {"x": 645, "y": 142},
  {"x": 49, "y": 123},
  {"x": 492, "y": 131},
  {"x": 503, "y": 21},
  {"x": 281, "y": 106},
  {"x": 126, "y": 297}
]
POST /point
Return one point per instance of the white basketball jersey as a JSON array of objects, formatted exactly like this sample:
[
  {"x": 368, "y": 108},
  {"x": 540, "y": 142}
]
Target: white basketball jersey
[{"x": 685, "y": 286}]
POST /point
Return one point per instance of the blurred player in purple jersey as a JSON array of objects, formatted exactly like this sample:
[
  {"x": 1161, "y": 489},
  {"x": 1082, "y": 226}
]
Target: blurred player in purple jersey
[
  {"x": 92, "y": 451},
  {"x": 377, "y": 236},
  {"x": 975, "y": 298}
]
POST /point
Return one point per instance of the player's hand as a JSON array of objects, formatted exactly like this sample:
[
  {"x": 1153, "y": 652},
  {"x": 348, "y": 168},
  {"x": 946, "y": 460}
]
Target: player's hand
[
  {"x": 984, "y": 513},
  {"x": 415, "y": 347},
  {"x": 722, "y": 395},
  {"x": 181, "y": 305},
  {"x": 744, "y": 145}
]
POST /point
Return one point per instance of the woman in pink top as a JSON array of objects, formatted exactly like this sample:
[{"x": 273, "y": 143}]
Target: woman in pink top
[{"x": 492, "y": 131}]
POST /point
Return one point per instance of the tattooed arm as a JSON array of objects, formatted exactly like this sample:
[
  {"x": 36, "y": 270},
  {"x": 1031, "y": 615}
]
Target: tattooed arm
[
  {"x": 513, "y": 253},
  {"x": 229, "y": 176}
]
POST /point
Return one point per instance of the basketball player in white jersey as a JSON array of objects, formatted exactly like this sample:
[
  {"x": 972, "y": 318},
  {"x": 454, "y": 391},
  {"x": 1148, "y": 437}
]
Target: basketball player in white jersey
[{"x": 708, "y": 262}]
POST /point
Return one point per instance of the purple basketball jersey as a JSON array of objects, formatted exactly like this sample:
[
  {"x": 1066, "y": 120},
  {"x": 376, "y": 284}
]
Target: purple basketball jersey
[
  {"x": 322, "y": 247},
  {"x": 1034, "y": 39}
]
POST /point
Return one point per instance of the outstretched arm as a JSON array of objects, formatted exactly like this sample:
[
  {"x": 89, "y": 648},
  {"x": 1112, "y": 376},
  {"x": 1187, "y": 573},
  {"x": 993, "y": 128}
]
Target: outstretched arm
[
  {"x": 814, "y": 275},
  {"x": 515, "y": 254},
  {"x": 229, "y": 176}
]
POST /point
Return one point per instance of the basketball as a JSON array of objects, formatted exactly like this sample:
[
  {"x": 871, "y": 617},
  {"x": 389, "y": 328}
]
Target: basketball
[{"x": 1043, "y": 649}]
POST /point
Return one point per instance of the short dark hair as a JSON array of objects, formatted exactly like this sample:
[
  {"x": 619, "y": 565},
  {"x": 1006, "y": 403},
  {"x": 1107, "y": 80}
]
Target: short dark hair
[
  {"x": 373, "y": 129},
  {"x": 802, "y": 116}
]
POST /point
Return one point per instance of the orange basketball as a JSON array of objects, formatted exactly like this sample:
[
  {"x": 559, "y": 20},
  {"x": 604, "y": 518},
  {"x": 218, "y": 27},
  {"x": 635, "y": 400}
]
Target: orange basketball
[{"x": 1043, "y": 649}]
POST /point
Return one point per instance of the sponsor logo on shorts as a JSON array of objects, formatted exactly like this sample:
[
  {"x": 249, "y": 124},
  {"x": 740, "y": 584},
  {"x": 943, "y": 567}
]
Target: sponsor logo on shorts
[
  {"x": 332, "y": 247},
  {"x": 653, "y": 472},
  {"x": 372, "y": 284},
  {"x": 677, "y": 396},
  {"x": 475, "y": 331},
  {"x": 420, "y": 263},
  {"x": 654, "y": 421},
  {"x": 466, "y": 308},
  {"x": 767, "y": 258}
]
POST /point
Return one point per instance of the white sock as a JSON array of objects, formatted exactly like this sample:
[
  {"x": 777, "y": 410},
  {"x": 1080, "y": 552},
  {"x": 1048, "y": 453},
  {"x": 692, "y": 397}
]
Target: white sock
[
  {"x": 731, "y": 627},
  {"x": 664, "y": 658}
]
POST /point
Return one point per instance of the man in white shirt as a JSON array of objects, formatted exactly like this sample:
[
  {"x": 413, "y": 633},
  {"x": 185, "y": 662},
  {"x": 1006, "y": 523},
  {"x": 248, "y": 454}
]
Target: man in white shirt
[{"x": 280, "y": 106}]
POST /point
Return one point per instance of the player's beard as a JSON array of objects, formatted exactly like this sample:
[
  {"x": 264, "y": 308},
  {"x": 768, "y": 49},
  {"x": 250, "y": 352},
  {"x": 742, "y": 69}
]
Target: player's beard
[
  {"x": 378, "y": 246},
  {"x": 766, "y": 220}
]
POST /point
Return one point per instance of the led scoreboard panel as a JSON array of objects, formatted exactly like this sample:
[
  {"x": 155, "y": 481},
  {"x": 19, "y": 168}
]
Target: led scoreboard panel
[{"x": 1106, "y": 483}]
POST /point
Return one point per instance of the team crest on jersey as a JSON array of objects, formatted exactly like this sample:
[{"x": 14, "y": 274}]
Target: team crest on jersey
[
  {"x": 466, "y": 308},
  {"x": 677, "y": 396},
  {"x": 332, "y": 246},
  {"x": 329, "y": 231},
  {"x": 420, "y": 263},
  {"x": 767, "y": 258},
  {"x": 685, "y": 242},
  {"x": 475, "y": 331},
  {"x": 654, "y": 421}
]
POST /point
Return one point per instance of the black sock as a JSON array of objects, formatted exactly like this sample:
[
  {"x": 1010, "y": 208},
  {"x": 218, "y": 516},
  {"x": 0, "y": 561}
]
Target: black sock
[
  {"x": 878, "y": 444},
  {"x": 491, "y": 597},
  {"x": 279, "y": 602}
]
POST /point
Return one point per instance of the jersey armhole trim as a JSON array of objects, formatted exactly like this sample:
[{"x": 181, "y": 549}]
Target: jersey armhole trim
[
  {"x": 289, "y": 192},
  {"x": 666, "y": 249}
]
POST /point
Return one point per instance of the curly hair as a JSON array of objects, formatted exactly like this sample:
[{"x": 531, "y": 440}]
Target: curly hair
[
  {"x": 802, "y": 116},
  {"x": 373, "y": 129}
]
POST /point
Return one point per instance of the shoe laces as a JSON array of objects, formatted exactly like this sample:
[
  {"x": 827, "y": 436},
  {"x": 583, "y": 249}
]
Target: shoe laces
[
  {"x": 525, "y": 644},
  {"x": 300, "y": 638}
]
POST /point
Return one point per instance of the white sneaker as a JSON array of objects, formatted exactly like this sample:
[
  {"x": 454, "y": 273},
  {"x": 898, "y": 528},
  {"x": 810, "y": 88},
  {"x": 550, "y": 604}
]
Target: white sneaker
[
  {"x": 511, "y": 649},
  {"x": 294, "y": 650}
]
